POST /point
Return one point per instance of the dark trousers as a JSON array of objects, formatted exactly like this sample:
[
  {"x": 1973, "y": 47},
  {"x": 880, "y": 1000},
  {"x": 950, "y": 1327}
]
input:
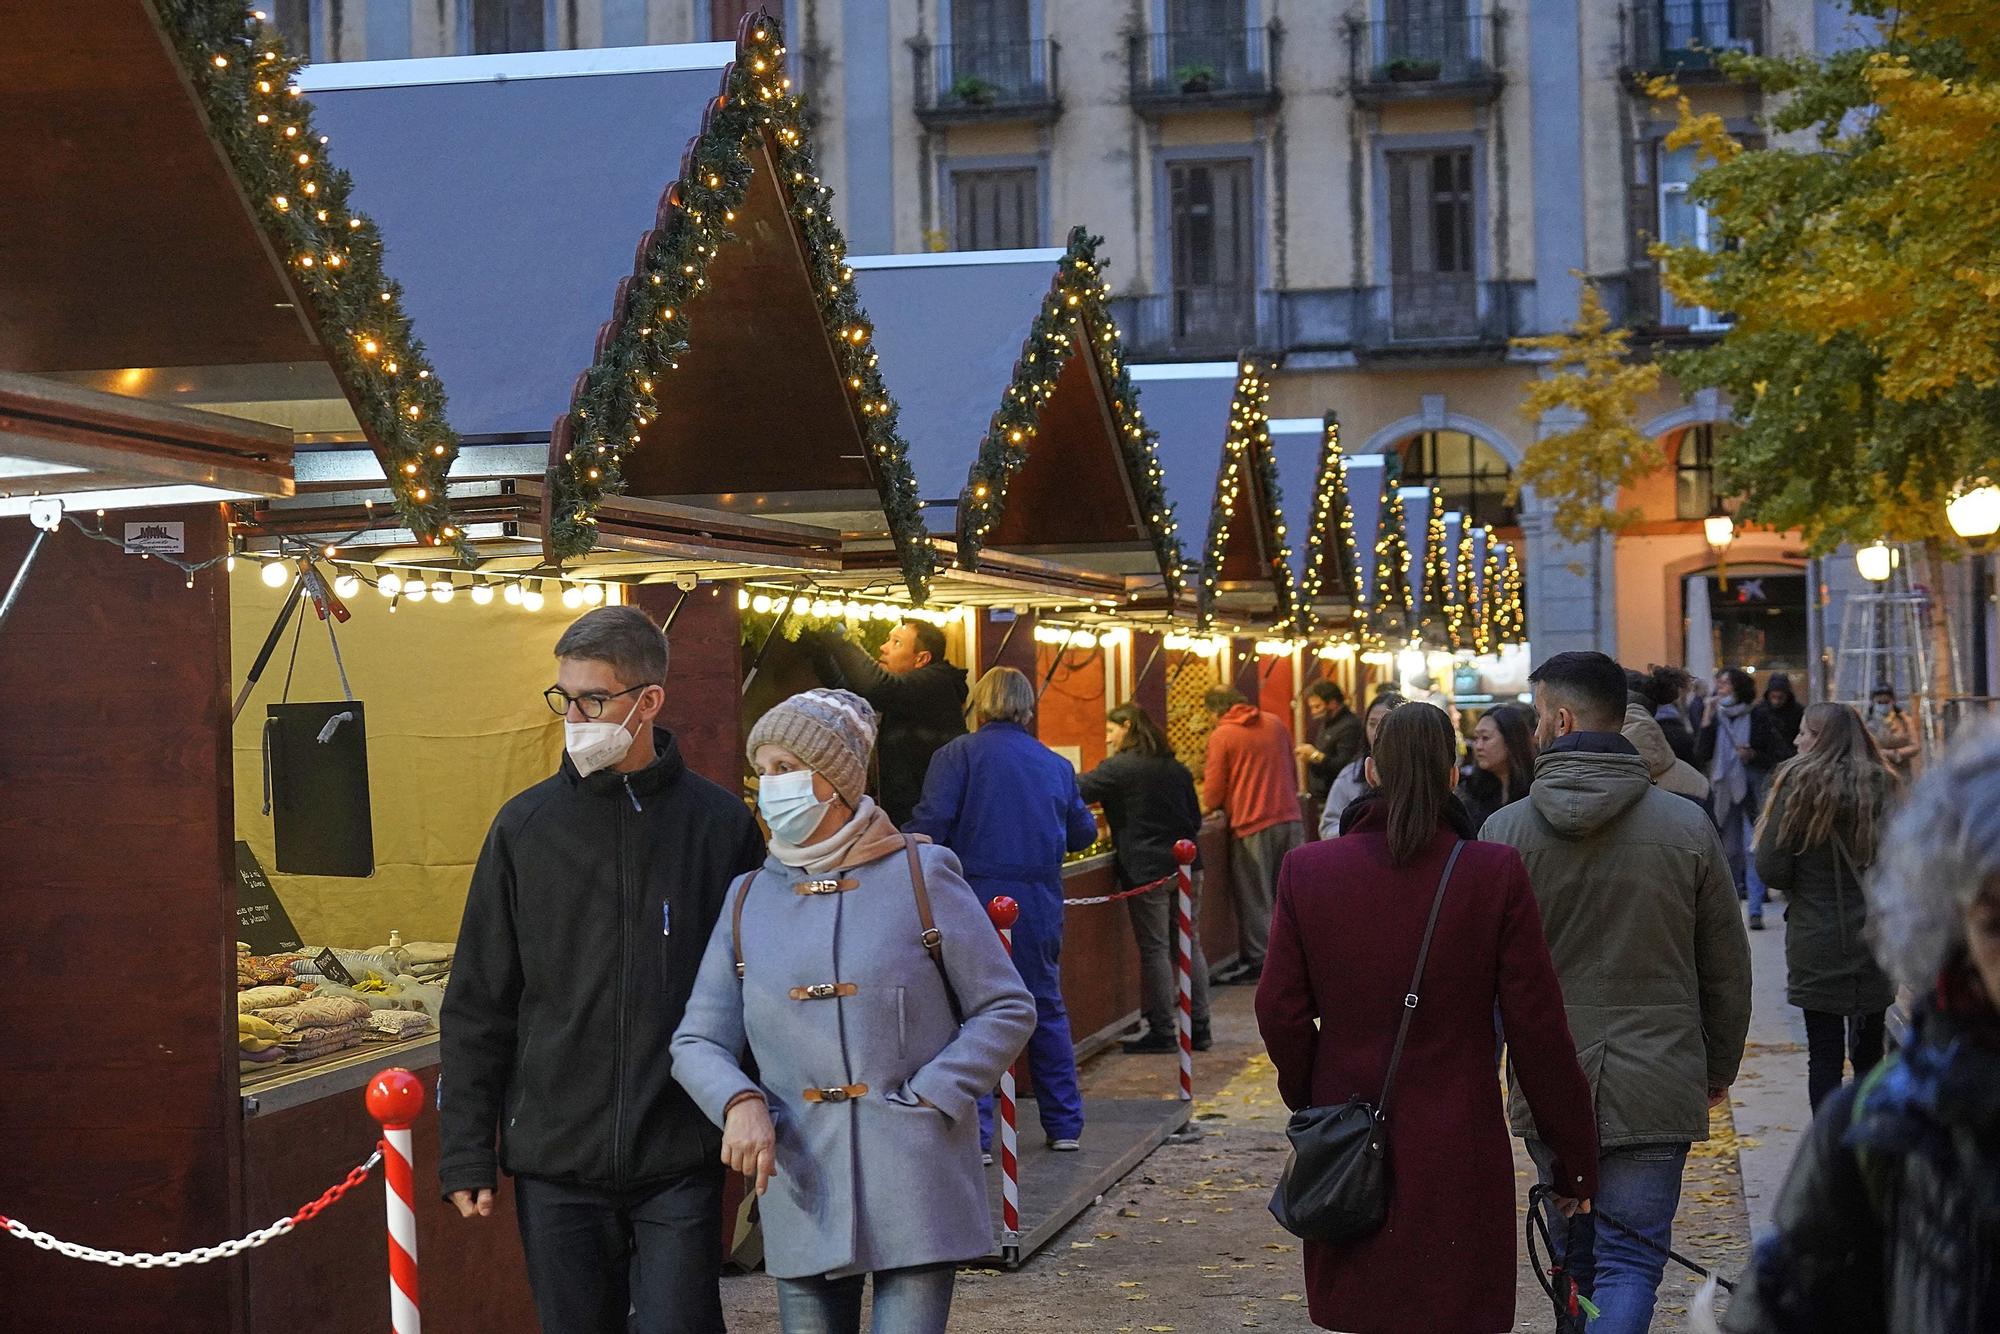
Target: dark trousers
[
  {"x": 1833, "y": 1039},
  {"x": 596, "y": 1255}
]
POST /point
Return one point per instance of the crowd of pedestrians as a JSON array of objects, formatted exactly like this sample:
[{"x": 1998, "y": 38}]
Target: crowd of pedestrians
[{"x": 827, "y": 1010}]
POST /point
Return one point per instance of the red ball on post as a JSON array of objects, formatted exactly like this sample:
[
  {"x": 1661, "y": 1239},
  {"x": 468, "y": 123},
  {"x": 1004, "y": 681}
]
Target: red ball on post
[
  {"x": 395, "y": 1097},
  {"x": 1003, "y": 912},
  {"x": 1185, "y": 852}
]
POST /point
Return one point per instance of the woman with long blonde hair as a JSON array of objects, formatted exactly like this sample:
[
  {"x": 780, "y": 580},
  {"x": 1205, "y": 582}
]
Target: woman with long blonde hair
[{"x": 1816, "y": 841}]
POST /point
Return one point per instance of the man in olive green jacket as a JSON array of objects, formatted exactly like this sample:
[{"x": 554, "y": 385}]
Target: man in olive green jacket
[{"x": 1643, "y": 924}]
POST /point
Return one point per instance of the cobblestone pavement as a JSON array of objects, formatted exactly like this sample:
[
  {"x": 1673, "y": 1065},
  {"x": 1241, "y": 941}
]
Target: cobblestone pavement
[{"x": 1184, "y": 1245}]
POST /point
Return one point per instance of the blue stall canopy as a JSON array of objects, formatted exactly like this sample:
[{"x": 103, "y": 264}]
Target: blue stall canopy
[
  {"x": 1297, "y": 445},
  {"x": 1365, "y": 491},
  {"x": 511, "y": 190}
]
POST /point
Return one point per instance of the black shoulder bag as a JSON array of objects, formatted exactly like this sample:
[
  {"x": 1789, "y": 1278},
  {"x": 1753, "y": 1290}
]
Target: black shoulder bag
[{"x": 1335, "y": 1187}]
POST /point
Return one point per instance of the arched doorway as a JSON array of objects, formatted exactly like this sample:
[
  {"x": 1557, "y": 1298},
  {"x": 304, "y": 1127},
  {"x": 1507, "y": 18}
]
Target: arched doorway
[{"x": 1471, "y": 476}]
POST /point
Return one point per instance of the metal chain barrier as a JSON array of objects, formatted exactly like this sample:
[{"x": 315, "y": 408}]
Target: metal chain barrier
[
  {"x": 201, "y": 1255},
  {"x": 1096, "y": 899}
]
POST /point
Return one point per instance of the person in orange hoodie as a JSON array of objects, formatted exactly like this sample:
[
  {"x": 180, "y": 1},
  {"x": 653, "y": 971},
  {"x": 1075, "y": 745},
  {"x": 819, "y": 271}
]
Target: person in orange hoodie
[{"x": 1252, "y": 777}]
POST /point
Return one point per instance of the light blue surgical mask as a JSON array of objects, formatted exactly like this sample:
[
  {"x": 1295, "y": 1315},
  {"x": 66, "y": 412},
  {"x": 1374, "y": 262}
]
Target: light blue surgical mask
[{"x": 790, "y": 806}]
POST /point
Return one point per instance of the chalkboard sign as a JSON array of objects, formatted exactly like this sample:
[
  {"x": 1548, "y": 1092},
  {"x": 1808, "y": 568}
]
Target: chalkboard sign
[{"x": 261, "y": 920}]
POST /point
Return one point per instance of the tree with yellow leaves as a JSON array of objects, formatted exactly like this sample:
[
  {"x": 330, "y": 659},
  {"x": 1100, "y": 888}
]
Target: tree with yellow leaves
[
  {"x": 1591, "y": 390},
  {"x": 1862, "y": 267}
]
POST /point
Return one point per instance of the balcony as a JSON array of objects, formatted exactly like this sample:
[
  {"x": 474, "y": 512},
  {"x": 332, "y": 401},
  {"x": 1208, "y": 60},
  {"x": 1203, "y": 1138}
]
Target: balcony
[
  {"x": 1687, "y": 38},
  {"x": 1180, "y": 72},
  {"x": 1421, "y": 313},
  {"x": 1196, "y": 323},
  {"x": 988, "y": 82},
  {"x": 1411, "y": 60}
]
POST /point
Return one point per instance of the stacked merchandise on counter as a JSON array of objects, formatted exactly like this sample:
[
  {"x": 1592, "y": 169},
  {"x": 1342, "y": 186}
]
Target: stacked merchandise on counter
[
  {"x": 428, "y": 961},
  {"x": 289, "y": 1011}
]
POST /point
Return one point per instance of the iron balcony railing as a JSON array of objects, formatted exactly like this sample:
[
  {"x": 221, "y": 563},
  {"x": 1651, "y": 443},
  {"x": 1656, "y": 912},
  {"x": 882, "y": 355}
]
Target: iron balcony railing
[
  {"x": 988, "y": 80},
  {"x": 1195, "y": 66},
  {"x": 1690, "y": 36},
  {"x": 1219, "y": 321},
  {"x": 1461, "y": 48},
  {"x": 1416, "y": 309}
]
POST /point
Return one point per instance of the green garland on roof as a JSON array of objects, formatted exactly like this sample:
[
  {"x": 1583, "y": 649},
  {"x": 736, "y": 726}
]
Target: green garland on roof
[
  {"x": 622, "y": 389},
  {"x": 1072, "y": 319},
  {"x": 1510, "y": 616},
  {"x": 1333, "y": 558},
  {"x": 1435, "y": 599},
  {"x": 1391, "y": 611},
  {"x": 1247, "y": 448},
  {"x": 242, "y": 76}
]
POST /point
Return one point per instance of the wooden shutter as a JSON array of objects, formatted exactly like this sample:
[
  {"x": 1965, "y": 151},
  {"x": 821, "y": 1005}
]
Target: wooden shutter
[{"x": 996, "y": 210}]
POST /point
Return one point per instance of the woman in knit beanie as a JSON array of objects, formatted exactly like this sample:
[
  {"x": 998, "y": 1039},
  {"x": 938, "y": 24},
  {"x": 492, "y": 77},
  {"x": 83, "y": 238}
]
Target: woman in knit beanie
[{"x": 872, "y": 1037}]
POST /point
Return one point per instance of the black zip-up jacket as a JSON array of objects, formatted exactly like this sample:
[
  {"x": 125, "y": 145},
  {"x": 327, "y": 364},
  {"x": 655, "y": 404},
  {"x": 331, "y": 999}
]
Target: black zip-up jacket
[
  {"x": 586, "y": 922},
  {"x": 1150, "y": 804}
]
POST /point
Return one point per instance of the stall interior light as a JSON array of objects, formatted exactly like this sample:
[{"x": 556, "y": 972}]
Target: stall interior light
[
  {"x": 276, "y": 572},
  {"x": 1276, "y": 648},
  {"x": 1342, "y": 652},
  {"x": 346, "y": 586}
]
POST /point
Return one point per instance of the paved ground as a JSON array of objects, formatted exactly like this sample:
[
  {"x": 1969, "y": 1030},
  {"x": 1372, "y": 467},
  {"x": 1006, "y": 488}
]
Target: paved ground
[{"x": 1184, "y": 1244}]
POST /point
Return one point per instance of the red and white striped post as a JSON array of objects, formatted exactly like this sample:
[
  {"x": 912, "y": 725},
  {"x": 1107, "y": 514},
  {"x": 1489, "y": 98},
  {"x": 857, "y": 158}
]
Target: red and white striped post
[
  {"x": 1184, "y": 854},
  {"x": 396, "y": 1099},
  {"x": 1004, "y": 912}
]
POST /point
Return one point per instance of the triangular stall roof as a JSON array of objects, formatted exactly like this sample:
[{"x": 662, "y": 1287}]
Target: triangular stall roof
[
  {"x": 540, "y": 171},
  {"x": 1214, "y": 447},
  {"x": 1024, "y": 433},
  {"x": 1329, "y": 565},
  {"x": 185, "y": 287}
]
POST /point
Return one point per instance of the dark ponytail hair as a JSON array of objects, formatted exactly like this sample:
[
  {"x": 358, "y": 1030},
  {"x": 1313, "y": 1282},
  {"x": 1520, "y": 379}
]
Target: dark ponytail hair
[
  {"x": 1144, "y": 736},
  {"x": 1414, "y": 754}
]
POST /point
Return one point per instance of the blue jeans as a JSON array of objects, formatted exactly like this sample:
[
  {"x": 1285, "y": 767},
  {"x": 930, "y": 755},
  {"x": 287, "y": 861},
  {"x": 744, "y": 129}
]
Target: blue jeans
[
  {"x": 1051, "y": 1053},
  {"x": 1760, "y": 787},
  {"x": 1640, "y": 1186},
  {"x": 907, "y": 1301}
]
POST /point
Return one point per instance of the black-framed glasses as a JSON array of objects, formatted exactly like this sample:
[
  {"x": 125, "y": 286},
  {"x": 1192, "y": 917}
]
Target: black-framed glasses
[{"x": 590, "y": 703}]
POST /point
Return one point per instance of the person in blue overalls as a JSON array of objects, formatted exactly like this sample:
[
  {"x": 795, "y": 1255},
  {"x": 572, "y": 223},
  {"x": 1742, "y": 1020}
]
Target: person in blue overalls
[{"x": 1009, "y": 807}]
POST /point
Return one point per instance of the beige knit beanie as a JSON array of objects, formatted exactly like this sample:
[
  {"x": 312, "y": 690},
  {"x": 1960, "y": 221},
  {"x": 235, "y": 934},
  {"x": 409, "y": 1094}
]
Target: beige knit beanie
[{"x": 832, "y": 731}]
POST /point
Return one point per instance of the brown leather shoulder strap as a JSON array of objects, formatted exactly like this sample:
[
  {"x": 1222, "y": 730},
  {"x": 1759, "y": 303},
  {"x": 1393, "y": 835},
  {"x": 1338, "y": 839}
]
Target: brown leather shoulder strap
[
  {"x": 736, "y": 919},
  {"x": 933, "y": 942}
]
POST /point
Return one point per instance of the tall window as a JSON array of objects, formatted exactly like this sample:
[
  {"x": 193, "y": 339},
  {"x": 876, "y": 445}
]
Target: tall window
[
  {"x": 725, "y": 16},
  {"x": 1469, "y": 474},
  {"x": 294, "y": 21},
  {"x": 1432, "y": 31},
  {"x": 1684, "y": 221},
  {"x": 1432, "y": 263},
  {"x": 508, "y": 25},
  {"x": 1206, "y": 38},
  {"x": 991, "y": 50},
  {"x": 1213, "y": 217},
  {"x": 996, "y": 210},
  {"x": 1694, "y": 473}
]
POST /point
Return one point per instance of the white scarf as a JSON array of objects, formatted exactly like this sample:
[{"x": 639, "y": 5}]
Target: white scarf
[
  {"x": 868, "y": 836},
  {"x": 1728, "y": 779}
]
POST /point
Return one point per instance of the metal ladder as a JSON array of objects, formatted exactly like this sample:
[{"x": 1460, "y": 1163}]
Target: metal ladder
[{"x": 1885, "y": 638}]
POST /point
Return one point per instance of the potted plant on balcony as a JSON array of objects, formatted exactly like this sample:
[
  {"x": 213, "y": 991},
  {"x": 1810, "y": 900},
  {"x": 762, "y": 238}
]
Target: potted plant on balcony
[
  {"x": 1195, "y": 78},
  {"x": 974, "y": 91},
  {"x": 1413, "y": 69}
]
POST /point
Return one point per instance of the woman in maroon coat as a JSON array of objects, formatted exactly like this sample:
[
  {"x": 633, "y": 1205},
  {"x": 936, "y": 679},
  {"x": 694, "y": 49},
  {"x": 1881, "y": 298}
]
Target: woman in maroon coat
[{"x": 1345, "y": 929}]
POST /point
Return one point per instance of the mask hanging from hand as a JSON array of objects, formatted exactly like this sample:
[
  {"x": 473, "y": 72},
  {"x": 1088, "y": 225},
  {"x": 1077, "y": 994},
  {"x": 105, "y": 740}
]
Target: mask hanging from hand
[
  {"x": 597, "y": 745},
  {"x": 790, "y": 806}
]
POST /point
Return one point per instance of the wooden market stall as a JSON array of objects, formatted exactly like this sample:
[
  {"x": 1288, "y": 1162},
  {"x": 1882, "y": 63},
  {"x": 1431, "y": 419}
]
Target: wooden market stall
[{"x": 155, "y": 375}]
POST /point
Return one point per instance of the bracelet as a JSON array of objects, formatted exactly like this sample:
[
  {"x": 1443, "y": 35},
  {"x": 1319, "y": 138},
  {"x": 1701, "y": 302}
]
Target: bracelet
[{"x": 744, "y": 1096}]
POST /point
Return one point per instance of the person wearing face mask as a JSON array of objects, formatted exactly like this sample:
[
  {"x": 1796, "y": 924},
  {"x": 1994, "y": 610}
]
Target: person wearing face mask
[
  {"x": 1895, "y": 736},
  {"x": 857, "y": 975},
  {"x": 584, "y": 927}
]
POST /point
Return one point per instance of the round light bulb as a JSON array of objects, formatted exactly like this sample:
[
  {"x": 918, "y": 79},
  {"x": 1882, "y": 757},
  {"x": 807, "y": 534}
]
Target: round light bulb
[
  {"x": 415, "y": 591},
  {"x": 593, "y": 594},
  {"x": 389, "y": 584},
  {"x": 761, "y": 604},
  {"x": 346, "y": 586},
  {"x": 482, "y": 594},
  {"x": 572, "y": 597},
  {"x": 275, "y": 573},
  {"x": 513, "y": 595},
  {"x": 442, "y": 590},
  {"x": 1875, "y": 561},
  {"x": 532, "y": 600}
]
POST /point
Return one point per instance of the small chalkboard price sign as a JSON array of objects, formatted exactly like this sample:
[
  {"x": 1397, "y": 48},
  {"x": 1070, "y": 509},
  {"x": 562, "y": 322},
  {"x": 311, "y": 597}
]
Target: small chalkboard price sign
[{"x": 261, "y": 920}]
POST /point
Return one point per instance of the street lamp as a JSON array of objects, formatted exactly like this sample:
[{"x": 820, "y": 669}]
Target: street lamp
[
  {"x": 1720, "y": 529},
  {"x": 1876, "y": 561},
  {"x": 1974, "y": 512}
]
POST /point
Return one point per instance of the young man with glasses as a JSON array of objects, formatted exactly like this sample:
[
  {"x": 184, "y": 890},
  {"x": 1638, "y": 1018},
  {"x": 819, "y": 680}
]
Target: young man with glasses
[{"x": 584, "y": 927}]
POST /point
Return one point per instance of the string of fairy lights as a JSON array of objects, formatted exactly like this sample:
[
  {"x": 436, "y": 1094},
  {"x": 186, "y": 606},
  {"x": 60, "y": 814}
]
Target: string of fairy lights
[
  {"x": 1390, "y": 613},
  {"x": 1441, "y": 612},
  {"x": 244, "y": 78},
  {"x": 1072, "y": 321},
  {"x": 620, "y": 394},
  {"x": 1249, "y": 473}
]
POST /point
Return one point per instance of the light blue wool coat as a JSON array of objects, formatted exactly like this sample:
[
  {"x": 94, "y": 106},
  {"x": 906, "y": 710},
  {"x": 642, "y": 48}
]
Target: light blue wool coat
[{"x": 880, "y": 1182}]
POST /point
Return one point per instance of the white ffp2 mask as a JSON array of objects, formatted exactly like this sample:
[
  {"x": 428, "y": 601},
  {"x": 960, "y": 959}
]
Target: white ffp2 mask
[{"x": 598, "y": 744}]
